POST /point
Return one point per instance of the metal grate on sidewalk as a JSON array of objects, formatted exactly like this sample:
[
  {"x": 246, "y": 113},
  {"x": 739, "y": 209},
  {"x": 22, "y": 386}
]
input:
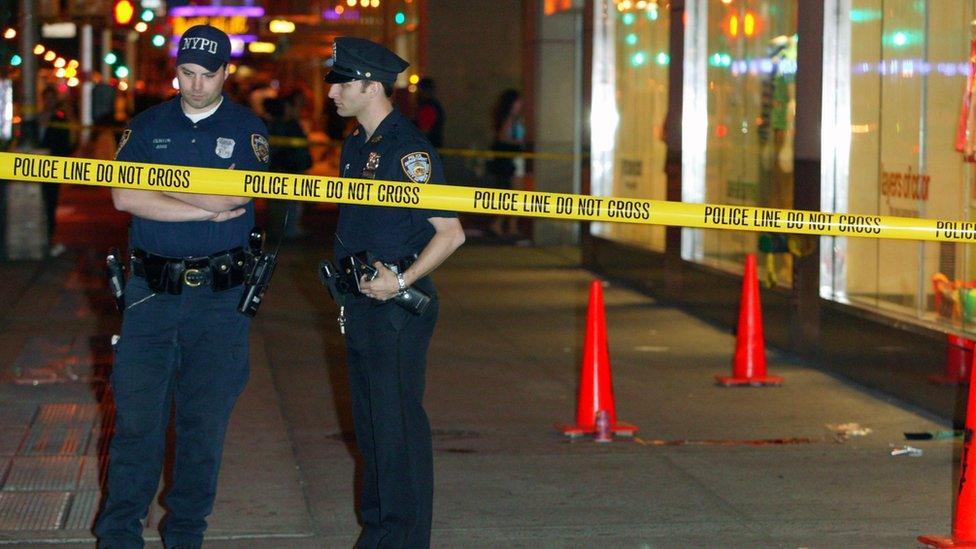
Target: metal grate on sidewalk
[
  {"x": 33, "y": 510},
  {"x": 52, "y": 479},
  {"x": 84, "y": 506},
  {"x": 39, "y": 474}
]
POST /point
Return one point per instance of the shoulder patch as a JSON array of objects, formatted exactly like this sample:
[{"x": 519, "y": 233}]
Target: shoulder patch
[
  {"x": 417, "y": 166},
  {"x": 260, "y": 145},
  {"x": 122, "y": 141}
]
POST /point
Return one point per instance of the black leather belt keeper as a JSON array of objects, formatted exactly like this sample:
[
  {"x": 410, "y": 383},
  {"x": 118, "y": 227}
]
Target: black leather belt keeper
[{"x": 220, "y": 271}]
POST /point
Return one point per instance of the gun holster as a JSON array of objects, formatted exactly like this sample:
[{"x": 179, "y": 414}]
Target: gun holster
[{"x": 257, "y": 277}]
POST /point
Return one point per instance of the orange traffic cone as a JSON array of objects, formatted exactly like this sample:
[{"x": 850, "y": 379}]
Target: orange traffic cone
[
  {"x": 959, "y": 361},
  {"x": 596, "y": 388},
  {"x": 749, "y": 364},
  {"x": 964, "y": 525}
]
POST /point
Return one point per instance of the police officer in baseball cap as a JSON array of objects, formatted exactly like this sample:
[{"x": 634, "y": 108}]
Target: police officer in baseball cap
[
  {"x": 183, "y": 342},
  {"x": 386, "y": 343}
]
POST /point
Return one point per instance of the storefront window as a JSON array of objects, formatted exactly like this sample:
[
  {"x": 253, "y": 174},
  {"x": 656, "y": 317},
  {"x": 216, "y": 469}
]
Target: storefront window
[
  {"x": 751, "y": 68},
  {"x": 908, "y": 73},
  {"x": 635, "y": 45}
]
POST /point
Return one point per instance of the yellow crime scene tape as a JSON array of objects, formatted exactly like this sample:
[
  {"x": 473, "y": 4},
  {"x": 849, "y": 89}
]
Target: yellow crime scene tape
[{"x": 559, "y": 206}]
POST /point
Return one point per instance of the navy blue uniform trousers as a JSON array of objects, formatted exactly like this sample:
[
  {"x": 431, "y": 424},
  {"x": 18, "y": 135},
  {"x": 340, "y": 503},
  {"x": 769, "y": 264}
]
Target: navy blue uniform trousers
[
  {"x": 387, "y": 361},
  {"x": 190, "y": 350}
]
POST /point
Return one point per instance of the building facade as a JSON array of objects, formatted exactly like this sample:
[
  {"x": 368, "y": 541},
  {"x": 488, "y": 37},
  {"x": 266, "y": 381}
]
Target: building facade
[{"x": 847, "y": 106}]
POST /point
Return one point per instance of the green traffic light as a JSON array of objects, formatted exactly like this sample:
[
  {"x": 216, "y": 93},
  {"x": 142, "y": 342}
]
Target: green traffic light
[
  {"x": 111, "y": 58},
  {"x": 147, "y": 15},
  {"x": 400, "y": 18},
  {"x": 122, "y": 71},
  {"x": 16, "y": 60},
  {"x": 158, "y": 40}
]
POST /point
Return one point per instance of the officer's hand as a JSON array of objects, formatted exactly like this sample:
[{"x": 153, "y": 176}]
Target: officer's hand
[
  {"x": 228, "y": 214},
  {"x": 383, "y": 287}
]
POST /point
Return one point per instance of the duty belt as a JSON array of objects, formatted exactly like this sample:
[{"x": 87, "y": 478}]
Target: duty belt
[{"x": 220, "y": 271}]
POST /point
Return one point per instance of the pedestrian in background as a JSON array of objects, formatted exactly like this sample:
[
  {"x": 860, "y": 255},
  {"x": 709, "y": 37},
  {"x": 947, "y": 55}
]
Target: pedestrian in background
[
  {"x": 183, "y": 343},
  {"x": 55, "y": 137},
  {"x": 506, "y": 171},
  {"x": 289, "y": 154},
  {"x": 429, "y": 117},
  {"x": 386, "y": 344}
]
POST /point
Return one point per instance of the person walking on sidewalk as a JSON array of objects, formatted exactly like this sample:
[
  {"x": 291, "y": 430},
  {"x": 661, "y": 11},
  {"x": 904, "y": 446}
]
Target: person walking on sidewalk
[
  {"x": 387, "y": 344},
  {"x": 183, "y": 343}
]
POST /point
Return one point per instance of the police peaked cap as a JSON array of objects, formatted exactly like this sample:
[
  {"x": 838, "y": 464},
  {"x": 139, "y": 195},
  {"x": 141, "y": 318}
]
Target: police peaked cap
[{"x": 360, "y": 59}]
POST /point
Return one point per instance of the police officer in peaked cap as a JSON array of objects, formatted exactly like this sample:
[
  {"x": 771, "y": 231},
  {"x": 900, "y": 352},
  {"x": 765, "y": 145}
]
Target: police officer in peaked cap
[
  {"x": 386, "y": 343},
  {"x": 183, "y": 342}
]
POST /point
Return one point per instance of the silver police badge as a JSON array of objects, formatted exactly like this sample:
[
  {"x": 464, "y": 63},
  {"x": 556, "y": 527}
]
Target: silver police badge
[
  {"x": 417, "y": 166},
  {"x": 225, "y": 147},
  {"x": 259, "y": 144}
]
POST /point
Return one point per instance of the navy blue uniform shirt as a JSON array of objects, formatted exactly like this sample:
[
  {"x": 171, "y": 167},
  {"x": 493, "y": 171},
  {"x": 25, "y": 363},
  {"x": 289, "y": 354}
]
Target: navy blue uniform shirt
[
  {"x": 232, "y": 135},
  {"x": 397, "y": 151}
]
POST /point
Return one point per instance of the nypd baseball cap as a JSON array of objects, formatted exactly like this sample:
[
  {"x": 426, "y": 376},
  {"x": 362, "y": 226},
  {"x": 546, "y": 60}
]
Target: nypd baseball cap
[
  {"x": 360, "y": 59},
  {"x": 204, "y": 45}
]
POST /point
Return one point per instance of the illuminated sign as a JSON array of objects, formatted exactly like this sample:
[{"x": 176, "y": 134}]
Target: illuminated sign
[
  {"x": 217, "y": 11},
  {"x": 281, "y": 26},
  {"x": 59, "y": 30},
  {"x": 233, "y": 20},
  {"x": 231, "y": 25},
  {"x": 261, "y": 47}
]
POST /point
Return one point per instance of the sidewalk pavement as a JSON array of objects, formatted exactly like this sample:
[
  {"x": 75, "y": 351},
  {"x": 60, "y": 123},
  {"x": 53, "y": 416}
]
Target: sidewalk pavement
[{"x": 710, "y": 466}]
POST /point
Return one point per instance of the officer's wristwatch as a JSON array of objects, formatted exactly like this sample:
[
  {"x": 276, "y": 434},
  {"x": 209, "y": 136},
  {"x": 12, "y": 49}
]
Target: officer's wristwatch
[{"x": 400, "y": 282}]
